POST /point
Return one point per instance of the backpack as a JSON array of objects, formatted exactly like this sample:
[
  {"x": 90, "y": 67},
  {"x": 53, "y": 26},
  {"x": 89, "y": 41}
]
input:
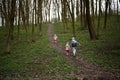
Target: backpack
[{"x": 74, "y": 44}]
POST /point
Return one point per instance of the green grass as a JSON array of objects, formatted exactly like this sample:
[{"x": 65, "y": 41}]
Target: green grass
[
  {"x": 33, "y": 59},
  {"x": 104, "y": 52}
]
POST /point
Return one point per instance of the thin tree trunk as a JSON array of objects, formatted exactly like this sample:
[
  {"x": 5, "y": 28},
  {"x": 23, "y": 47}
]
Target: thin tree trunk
[
  {"x": 77, "y": 9},
  {"x": 72, "y": 16},
  {"x": 96, "y": 8},
  {"x": 81, "y": 1},
  {"x": 19, "y": 23},
  {"x": 84, "y": 13},
  {"x": 118, "y": 10},
  {"x": 92, "y": 10},
  {"x": 40, "y": 16},
  {"x": 98, "y": 28},
  {"x": 106, "y": 7},
  {"x": 33, "y": 40},
  {"x": 8, "y": 40}
]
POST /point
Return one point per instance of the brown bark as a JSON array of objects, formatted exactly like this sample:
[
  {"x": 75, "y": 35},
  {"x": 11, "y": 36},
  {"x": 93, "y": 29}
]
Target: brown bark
[
  {"x": 118, "y": 10},
  {"x": 89, "y": 22},
  {"x": 19, "y": 23},
  {"x": 77, "y": 9},
  {"x": 84, "y": 14},
  {"x": 71, "y": 11},
  {"x": 64, "y": 11},
  {"x": 33, "y": 13},
  {"x": 81, "y": 3},
  {"x": 99, "y": 18},
  {"x": 40, "y": 16},
  {"x": 106, "y": 8},
  {"x": 96, "y": 8},
  {"x": 9, "y": 14}
]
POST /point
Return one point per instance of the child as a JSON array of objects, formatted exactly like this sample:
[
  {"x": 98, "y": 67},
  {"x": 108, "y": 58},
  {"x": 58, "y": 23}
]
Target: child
[
  {"x": 67, "y": 47},
  {"x": 55, "y": 38},
  {"x": 74, "y": 44}
]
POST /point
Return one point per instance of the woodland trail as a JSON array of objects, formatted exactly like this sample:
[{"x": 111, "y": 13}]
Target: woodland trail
[{"x": 87, "y": 69}]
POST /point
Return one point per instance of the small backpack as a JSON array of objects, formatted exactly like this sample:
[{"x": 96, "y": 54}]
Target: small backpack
[{"x": 74, "y": 44}]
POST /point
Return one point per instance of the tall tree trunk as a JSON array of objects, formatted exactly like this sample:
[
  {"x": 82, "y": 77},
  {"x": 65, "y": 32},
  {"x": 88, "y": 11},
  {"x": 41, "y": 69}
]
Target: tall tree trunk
[
  {"x": 12, "y": 16},
  {"x": 1, "y": 14},
  {"x": 106, "y": 8},
  {"x": 77, "y": 9},
  {"x": 40, "y": 16},
  {"x": 84, "y": 13},
  {"x": 9, "y": 14},
  {"x": 98, "y": 28},
  {"x": 89, "y": 22},
  {"x": 8, "y": 39},
  {"x": 24, "y": 18},
  {"x": 96, "y": 8},
  {"x": 33, "y": 18},
  {"x": 63, "y": 2},
  {"x": 92, "y": 10},
  {"x": 58, "y": 10},
  {"x": 118, "y": 10},
  {"x": 19, "y": 22},
  {"x": 81, "y": 1},
  {"x": 110, "y": 10},
  {"x": 71, "y": 11}
]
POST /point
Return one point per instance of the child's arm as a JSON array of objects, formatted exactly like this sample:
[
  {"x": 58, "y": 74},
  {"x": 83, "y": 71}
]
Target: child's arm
[{"x": 78, "y": 43}]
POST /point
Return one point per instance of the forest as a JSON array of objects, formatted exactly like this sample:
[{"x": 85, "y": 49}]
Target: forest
[{"x": 28, "y": 51}]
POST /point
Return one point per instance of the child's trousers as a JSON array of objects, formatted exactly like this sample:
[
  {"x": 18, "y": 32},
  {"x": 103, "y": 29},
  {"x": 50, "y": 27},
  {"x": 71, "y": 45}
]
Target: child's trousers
[{"x": 74, "y": 51}]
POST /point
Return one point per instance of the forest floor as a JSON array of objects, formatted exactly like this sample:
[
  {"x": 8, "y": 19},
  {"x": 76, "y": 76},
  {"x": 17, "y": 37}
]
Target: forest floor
[{"x": 87, "y": 69}]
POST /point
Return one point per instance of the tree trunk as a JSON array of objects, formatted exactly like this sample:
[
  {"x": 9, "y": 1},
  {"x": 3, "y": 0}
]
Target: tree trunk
[
  {"x": 81, "y": 1},
  {"x": 84, "y": 13},
  {"x": 96, "y": 8},
  {"x": 106, "y": 7},
  {"x": 40, "y": 16},
  {"x": 63, "y": 2},
  {"x": 12, "y": 16},
  {"x": 92, "y": 10},
  {"x": 98, "y": 28},
  {"x": 118, "y": 11},
  {"x": 9, "y": 14},
  {"x": 8, "y": 40},
  {"x": 89, "y": 22},
  {"x": 33, "y": 18},
  {"x": 19, "y": 23},
  {"x": 72, "y": 16},
  {"x": 77, "y": 9}
]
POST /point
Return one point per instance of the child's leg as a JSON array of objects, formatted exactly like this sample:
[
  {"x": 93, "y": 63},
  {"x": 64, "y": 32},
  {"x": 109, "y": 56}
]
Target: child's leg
[
  {"x": 67, "y": 52},
  {"x": 74, "y": 51},
  {"x": 55, "y": 41}
]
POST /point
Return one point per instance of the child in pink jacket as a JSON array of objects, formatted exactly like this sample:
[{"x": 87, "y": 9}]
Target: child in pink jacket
[{"x": 67, "y": 48}]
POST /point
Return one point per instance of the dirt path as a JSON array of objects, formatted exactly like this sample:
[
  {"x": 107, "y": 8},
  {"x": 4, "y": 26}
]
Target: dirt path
[{"x": 87, "y": 70}]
